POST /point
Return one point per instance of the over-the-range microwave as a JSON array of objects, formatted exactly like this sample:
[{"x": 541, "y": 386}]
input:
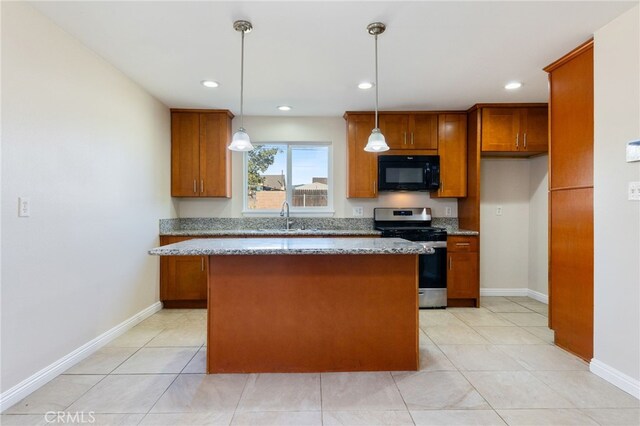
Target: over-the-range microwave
[{"x": 408, "y": 172}]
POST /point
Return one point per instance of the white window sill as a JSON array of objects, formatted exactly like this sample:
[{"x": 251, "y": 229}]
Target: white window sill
[{"x": 292, "y": 213}]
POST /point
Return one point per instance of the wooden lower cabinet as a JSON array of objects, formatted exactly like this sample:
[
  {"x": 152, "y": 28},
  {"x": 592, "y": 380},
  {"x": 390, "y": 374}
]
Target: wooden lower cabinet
[
  {"x": 183, "y": 279},
  {"x": 463, "y": 277}
]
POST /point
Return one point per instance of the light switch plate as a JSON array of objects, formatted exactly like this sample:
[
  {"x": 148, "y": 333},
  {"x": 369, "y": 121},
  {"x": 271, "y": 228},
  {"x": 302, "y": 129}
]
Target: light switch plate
[
  {"x": 24, "y": 207},
  {"x": 634, "y": 191},
  {"x": 633, "y": 151},
  {"x": 498, "y": 210},
  {"x": 358, "y": 211}
]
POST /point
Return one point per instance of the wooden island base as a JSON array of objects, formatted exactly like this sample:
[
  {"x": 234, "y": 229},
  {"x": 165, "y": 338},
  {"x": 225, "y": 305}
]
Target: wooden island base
[{"x": 312, "y": 313}]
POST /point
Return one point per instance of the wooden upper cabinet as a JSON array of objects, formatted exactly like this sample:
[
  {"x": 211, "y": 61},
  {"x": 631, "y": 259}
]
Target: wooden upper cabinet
[
  {"x": 500, "y": 129},
  {"x": 394, "y": 127},
  {"x": 200, "y": 160},
  {"x": 362, "y": 166},
  {"x": 410, "y": 131},
  {"x": 518, "y": 130},
  {"x": 185, "y": 154},
  {"x": 534, "y": 125},
  {"x": 571, "y": 95},
  {"x": 452, "y": 149},
  {"x": 424, "y": 131}
]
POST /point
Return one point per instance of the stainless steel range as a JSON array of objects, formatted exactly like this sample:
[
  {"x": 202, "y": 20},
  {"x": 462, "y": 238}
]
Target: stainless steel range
[{"x": 414, "y": 224}]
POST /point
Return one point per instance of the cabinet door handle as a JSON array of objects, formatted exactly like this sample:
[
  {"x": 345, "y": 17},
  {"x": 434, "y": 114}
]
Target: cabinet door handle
[
  {"x": 450, "y": 262},
  {"x": 517, "y": 140},
  {"x": 374, "y": 187},
  {"x": 442, "y": 186},
  {"x": 201, "y": 185},
  {"x": 202, "y": 264},
  {"x": 405, "y": 138},
  {"x": 195, "y": 187},
  {"x": 525, "y": 140},
  {"x": 411, "y": 138},
  {"x": 463, "y": 244}
]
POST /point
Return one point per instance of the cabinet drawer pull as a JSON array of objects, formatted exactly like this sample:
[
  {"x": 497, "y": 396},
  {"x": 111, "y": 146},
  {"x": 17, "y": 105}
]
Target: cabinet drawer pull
[
  {"x": 195, "y": 187},
  {"x": 463, "y": 244},
  {"x": 411, "y": 138},
  {"x": 405, "y": 138},
  {"x": 450, "y": 262},
  {"x": 201, "y": 185},
  {"x": 202, "y": 264},
  {"x": 517, "y": 140},
  {"x": 525, "y": 140}
]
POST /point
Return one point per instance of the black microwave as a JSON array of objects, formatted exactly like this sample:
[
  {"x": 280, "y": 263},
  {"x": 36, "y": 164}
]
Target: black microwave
[{"x": 408, "y": 172}]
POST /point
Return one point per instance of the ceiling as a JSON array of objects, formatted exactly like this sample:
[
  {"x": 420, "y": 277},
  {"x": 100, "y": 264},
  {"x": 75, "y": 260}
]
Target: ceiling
[{"x": 311, "y": 55}]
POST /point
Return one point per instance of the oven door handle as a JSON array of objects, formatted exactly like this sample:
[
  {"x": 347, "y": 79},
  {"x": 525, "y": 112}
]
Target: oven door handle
[{"x": 434, "y": 244}]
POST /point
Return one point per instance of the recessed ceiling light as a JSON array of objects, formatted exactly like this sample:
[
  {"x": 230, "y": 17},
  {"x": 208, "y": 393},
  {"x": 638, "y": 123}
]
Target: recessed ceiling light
[
  {"x": 284, "y": 108},
  {"x": 365, "y": 85},
  {"x": 210, "y": 83},
  {"x": 513, "y": 85}
]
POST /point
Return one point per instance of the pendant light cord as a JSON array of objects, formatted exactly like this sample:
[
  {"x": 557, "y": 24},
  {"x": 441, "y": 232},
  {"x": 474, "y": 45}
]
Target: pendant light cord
[
  {"x": 376, "y": 56},
  {"x": 242, "y": 82}
]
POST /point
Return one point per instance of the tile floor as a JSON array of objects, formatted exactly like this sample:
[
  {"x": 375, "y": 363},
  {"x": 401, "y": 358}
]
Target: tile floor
[{"x": 495, "y": 365}]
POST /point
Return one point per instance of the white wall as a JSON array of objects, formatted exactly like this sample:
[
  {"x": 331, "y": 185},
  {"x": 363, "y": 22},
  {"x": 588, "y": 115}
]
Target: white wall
[
  {"x": 617, "y": 220},
  {"x": 504, "y": 246},
  {"x": 91, "y": 150},
  {"x": 539, "y": 224},
  {"x": 309, "y": 129},
  {"x": 513, "y": 247}
]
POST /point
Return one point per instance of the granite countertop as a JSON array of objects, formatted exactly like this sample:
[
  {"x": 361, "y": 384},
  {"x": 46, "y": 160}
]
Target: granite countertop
[
  {"x": 274, "y": 226},
  {"x": 291, "y": 246},
  {"x": 278, "y": 232}
]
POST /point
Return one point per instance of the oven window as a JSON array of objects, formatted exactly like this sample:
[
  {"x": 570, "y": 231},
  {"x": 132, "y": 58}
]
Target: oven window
[{"x": 403, "y": 175}]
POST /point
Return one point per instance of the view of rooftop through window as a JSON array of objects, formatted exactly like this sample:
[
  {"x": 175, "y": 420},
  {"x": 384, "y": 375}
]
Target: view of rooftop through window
[{"x": 285, "y": 171}]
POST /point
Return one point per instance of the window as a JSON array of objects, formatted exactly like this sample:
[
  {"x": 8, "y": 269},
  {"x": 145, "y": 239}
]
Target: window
[{"x": 295, "y": 172}]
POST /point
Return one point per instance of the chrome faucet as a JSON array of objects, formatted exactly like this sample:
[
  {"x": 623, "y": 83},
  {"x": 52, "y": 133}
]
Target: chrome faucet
[{"x": 282, "y": 214}]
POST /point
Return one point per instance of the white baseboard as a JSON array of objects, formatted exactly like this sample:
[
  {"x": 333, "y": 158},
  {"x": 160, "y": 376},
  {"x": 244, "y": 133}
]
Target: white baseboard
[
  {"x": 37, "y": 380},
  {"x": 522, "y": 292},
  {"x": 615, "y": 377},
  {"x": 503, "y": 292},
  {"x": 540, "y": 297}
]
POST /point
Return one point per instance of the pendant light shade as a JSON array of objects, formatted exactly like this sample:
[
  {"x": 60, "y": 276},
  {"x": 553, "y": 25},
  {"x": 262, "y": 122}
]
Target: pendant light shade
[
  {"x": 376, "y": 142},
  {"x": 240, "y": 140}
]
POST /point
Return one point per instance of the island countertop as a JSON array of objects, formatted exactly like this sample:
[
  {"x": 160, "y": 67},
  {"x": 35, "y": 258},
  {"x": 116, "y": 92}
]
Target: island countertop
[
  {"x": 277, "y": 232},
  {"x": 290, "y": 246}
]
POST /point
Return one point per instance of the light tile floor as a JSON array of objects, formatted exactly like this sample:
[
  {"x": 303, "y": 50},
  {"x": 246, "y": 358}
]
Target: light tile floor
[{"x": 495, "y": 365}]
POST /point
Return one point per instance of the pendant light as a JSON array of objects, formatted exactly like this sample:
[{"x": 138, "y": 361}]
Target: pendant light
[
  {"x": 376, "y": 141},
  {"x": 240, "y": 140}
]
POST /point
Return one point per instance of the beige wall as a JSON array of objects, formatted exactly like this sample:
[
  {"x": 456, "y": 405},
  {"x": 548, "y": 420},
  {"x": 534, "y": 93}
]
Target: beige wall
[
  {"x": 90, "y": 149},
  {"x": 539, "y": 224},
  {"x": 307, "y": 129},
  {"x": 513, "y": 247},
  {"x": 617, "y": 220},
  {"x": 504, "y": 246}
]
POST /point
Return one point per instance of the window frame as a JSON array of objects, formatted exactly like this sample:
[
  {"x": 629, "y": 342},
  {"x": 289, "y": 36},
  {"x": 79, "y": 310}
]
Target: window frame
[{"x": 294, "y": 211}]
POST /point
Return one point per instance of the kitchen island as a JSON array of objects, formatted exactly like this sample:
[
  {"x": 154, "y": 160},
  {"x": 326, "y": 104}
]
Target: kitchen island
[{"x": 309, "y": 304}]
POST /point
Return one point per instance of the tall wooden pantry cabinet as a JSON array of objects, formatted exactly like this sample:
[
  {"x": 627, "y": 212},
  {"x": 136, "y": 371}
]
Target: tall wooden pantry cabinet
[{"x": 571, "y": 200}]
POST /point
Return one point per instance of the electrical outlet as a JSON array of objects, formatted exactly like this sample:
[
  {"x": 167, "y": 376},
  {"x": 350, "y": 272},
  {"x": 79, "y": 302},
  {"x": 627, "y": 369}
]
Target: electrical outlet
[
  {"x": 634, "y": 191},
  {"x": 358, "y": 211},
  {"x": 498, "y": 210},
  {"x": 447, "y": 211},
  {"x": 24, "y": 207}
]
